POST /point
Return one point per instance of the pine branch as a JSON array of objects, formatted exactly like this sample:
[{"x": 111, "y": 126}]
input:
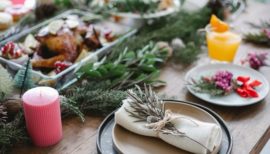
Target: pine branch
[
  {"x": 12, "y": 133},
  {"x": 68, "y": 107},
  {"x": 257, "y": 38},
  {"x": 94, "y": 100}
]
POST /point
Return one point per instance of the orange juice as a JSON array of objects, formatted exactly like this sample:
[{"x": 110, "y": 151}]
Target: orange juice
[{"x": 222, "y": 46}]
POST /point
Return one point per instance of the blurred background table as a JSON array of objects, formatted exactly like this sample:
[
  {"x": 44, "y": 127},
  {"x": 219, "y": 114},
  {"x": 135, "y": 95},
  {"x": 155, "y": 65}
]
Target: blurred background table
[{"x": 249, "y": 125}]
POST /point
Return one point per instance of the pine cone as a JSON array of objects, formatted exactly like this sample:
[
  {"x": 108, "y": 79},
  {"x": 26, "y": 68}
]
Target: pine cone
[
  {"x": 3, "y": 114},
  {"x": 12, "y": 107}
]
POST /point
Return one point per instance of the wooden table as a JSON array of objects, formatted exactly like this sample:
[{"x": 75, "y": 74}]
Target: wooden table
[{"x": 249, "y": 125}]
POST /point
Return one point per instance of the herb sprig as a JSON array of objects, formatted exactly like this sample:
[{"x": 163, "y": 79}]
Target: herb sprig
[{"x": 128, "y": 69}]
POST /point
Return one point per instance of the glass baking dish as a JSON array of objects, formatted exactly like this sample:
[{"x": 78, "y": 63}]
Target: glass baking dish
[{"x": 60, "y": 79}]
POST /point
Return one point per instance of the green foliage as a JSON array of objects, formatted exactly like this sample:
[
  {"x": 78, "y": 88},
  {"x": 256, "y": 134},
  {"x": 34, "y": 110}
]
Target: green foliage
[
  {"x": 182, "y": 25},
  {"x": 140, "y": 6},
  {"x": 69, "y": 106},
  {"x": 6, "y": 83},
  {"x": 97, "y": 101},
  {"x": 12, "y": 133},
  {"x": 188, "y": 54},
  {"x": 208, "y": 88},
  {"x": 257, "y": 38},
  {"x": 63, "y": 3},
  {"x": 128, "y": 69}
]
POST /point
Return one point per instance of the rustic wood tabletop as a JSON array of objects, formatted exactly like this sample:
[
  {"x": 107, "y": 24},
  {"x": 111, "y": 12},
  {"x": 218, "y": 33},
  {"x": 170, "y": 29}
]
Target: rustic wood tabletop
[{"x": 249, "y": 125}]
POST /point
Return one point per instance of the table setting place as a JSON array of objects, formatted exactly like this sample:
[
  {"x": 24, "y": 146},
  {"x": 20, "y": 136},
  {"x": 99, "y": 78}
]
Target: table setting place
[{"x": 134, "y": 76}]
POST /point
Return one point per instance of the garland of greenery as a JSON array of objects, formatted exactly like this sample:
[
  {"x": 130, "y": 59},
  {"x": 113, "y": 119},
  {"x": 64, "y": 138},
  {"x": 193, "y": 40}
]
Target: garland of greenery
[{"x": 181, "y": 25}]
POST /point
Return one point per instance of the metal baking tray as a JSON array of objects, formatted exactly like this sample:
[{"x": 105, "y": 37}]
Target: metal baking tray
[{"x": 59, "y": 79}]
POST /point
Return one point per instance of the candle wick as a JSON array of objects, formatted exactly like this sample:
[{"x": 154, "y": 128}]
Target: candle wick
[{"x": 40, "y": 95}]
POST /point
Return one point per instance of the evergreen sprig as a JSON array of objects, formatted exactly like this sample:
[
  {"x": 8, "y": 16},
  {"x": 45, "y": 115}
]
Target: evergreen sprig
[
  {"x": 68, "y": 106},
  {"x": 96, "y": 101},
  {"x": 208, "y": 88},
  {"x": 138, "y": 6},
  {"x": 12, "y": 133},
  {"x": 257, "y": 38},
  {"x": 187, "y": 54}
]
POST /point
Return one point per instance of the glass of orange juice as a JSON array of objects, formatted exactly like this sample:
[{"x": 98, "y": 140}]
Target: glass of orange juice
[{"x": 222, "y": 45}]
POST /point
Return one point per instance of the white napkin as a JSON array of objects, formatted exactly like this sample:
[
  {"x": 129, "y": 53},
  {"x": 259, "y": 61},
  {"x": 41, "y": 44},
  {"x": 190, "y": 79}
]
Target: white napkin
[{"x": 202, "y": 132}]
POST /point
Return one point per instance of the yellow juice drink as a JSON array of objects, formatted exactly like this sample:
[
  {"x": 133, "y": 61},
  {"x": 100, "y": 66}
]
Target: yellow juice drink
[{"x": 222, "y": 46}]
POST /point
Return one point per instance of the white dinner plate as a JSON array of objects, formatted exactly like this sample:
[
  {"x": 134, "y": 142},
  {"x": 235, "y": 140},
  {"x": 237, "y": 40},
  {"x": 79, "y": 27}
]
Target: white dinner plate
[{"x": 232, "y": 99}]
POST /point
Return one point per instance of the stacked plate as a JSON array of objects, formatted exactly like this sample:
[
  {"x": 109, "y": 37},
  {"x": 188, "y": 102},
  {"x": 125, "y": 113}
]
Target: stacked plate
[{"x": 113, "y": 138}]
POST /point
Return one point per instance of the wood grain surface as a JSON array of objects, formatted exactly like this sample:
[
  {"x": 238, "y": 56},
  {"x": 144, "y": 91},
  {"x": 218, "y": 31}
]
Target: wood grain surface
[{"x": 248, "y": 125}]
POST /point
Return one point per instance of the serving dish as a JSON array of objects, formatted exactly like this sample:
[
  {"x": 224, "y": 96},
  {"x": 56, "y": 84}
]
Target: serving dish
[{"x": 56, "y": 80}]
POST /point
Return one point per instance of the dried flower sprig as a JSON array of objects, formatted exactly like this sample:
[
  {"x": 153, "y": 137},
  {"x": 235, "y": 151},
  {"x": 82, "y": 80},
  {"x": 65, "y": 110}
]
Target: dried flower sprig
[
  {"x": 148, "y": 107},
  {"x": 218, "y": 85}
]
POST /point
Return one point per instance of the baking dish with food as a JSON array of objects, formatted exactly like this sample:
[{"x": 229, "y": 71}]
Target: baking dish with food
[{"x": 53, "y": 43}]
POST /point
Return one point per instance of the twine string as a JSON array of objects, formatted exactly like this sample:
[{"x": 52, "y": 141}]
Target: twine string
[{"x": 160, "y": 127}]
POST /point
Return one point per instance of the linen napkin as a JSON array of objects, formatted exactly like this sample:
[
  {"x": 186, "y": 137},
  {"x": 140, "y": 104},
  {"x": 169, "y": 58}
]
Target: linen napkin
[{"x": 203, "y": 133}]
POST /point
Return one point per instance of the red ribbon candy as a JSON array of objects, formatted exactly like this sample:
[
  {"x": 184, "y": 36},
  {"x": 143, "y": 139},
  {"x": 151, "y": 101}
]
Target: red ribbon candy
[{"x": 247, "y": 89}]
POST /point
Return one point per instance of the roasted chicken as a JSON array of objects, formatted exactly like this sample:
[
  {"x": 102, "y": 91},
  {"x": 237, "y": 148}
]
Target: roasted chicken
[{"x": 66, "y": 45}]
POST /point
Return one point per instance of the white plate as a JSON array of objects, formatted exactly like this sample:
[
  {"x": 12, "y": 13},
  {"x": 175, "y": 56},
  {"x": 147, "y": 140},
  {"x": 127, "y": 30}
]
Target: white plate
[
  {"x": 172, "y": 9},
  {"x": 232, "y": 99}
]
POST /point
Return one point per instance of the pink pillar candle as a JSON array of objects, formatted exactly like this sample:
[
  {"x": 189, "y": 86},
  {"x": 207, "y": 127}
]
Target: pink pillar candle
[{"x": 42, "y": 115}]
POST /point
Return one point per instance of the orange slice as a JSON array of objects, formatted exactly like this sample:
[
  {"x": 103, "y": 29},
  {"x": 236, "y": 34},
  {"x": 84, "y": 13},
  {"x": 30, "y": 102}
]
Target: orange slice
[{"x": 218, "y": 25}]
